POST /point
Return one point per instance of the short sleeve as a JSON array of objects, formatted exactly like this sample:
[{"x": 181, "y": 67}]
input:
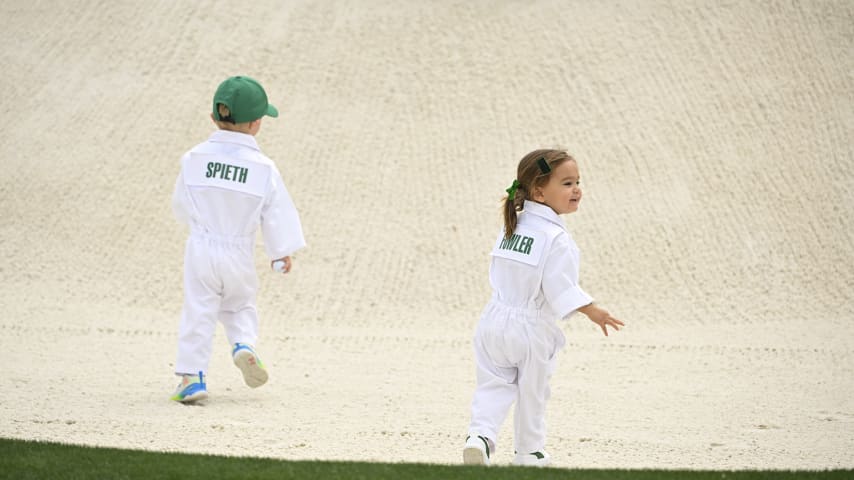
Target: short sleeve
[
  {"x": 280, "y": 223},
  {"x": 560, "y": 278}
]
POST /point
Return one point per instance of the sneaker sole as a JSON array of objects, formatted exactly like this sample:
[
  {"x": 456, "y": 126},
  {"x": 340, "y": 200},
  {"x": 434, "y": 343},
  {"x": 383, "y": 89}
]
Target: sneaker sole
[
  {"x": 193, "y": 397},
  {"x": 253, "y": 375},
  {"x": 531, "y": 463},
  {"x": 473, "y": 456}
]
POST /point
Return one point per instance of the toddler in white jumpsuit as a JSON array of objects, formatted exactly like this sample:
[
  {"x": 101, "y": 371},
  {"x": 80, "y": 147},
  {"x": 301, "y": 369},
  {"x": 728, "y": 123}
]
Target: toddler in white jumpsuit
[
  {"x": 226, "y": 189},
  {"x": 534, "y": 277}
]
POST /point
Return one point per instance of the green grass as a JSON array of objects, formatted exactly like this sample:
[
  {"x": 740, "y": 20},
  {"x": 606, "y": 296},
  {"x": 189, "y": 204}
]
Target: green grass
[{"x": 23, "y": 460}]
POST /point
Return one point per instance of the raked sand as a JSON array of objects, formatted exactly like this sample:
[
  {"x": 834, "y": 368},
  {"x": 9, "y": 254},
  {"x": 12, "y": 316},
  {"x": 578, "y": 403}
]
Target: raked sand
[{"x": 715, "y": 144}]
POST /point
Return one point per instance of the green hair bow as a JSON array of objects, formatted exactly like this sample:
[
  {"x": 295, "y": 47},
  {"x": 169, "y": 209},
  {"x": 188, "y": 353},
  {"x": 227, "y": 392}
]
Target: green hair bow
[{"x": 511, "y": 192}]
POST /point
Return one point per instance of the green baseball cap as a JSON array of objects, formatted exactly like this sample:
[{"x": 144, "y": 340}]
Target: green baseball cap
[{"x": 246, "y": 99}]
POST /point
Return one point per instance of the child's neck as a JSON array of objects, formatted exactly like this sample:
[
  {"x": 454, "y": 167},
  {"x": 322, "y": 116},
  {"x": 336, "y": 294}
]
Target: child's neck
[{"x": 239, "y": 127}]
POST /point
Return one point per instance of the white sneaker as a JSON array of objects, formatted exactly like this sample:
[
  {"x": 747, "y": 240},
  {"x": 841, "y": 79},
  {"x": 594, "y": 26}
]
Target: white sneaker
[
  {"x": 476, "y": 451},
  {"x": 536, "y": 459},
  {"x": 254, "y": 372}
]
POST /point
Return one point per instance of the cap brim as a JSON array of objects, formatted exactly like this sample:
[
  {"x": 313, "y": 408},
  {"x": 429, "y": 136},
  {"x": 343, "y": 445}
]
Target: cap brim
[{"x": 272, "y": 111}]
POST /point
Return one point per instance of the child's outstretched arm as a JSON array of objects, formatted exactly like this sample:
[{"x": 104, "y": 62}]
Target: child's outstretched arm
[{"x": 601, "y": 317}]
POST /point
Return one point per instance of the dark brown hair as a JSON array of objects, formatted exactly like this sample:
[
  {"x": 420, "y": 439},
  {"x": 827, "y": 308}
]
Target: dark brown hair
[
  {"x": 530, "y": 175},
  {"x": 224, "y": 113}
]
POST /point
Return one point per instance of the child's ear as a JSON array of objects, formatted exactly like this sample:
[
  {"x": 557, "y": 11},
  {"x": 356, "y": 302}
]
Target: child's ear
[{"x": 538, "y": 194}]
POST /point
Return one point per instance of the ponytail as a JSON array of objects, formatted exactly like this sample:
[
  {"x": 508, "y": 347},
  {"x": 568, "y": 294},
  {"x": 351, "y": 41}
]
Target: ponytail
[{"x": 512, "y": 204}]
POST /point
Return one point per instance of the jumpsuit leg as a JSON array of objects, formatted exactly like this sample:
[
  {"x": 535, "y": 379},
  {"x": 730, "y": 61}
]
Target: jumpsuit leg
[
  {"x": 494, "y": 395},
  {"x": 199, "y": 314},
  {"x": 499, "y": 343},
  {"x": 238, "y": 312},
  {"x": 535, "y": 371}
]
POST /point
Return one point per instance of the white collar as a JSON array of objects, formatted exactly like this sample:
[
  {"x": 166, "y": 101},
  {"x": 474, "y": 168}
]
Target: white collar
[
  {"x": 544, "y": 211},
  {"x": 227, "y": 136}
]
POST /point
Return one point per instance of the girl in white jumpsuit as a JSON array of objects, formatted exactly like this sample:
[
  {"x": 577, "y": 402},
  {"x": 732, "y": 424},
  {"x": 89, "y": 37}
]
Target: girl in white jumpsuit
[
  {"x": 534, "y": 277},
  {"x": 226, "y": 189}
]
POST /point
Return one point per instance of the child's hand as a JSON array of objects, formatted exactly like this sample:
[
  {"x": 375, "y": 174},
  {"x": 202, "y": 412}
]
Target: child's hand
[
  {"x": 282, "y": 265},
  {"x": 601, "y": 317}
]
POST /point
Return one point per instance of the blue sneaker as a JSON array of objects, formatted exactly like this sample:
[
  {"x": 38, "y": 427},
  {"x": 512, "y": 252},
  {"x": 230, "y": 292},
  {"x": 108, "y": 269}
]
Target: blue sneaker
[
  {"x": 191, "y": 389},
  {"x": 254, "y": 372}
]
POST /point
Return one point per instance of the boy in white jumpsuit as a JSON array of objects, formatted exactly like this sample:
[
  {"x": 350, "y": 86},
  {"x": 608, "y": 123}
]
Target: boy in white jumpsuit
[
  {"x": 225, "y": 190},
  {"x": 534, "y": 276}
]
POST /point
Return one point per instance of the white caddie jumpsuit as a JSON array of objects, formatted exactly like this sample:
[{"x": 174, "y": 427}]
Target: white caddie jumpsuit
[
  {"x": 225, "y": 190},
  {"x": 534, "y": 277}
]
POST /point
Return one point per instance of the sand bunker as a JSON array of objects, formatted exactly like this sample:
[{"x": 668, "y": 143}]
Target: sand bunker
[{"x": 714, "y": 142}]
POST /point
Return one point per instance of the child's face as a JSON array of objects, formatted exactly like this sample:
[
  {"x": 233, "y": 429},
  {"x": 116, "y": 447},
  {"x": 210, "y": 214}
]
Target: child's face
[{"x": 562, "y": 192}]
